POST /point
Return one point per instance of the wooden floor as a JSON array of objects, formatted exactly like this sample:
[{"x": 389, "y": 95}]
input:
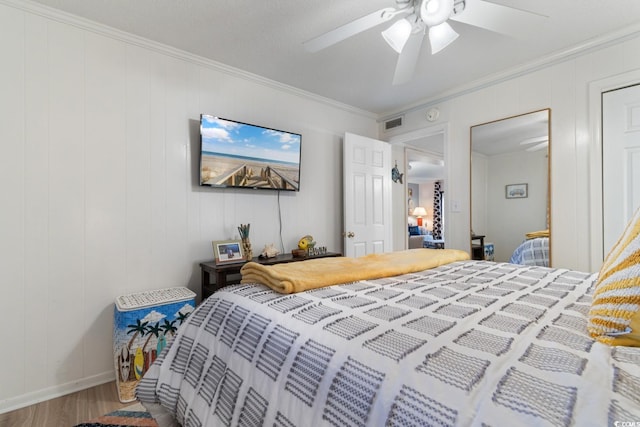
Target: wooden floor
[{"x": 66, "y": 411}]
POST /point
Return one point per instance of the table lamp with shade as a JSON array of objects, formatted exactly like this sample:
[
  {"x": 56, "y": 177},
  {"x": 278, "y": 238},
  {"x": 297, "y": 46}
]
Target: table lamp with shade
[{"x": 419, "y": 212}]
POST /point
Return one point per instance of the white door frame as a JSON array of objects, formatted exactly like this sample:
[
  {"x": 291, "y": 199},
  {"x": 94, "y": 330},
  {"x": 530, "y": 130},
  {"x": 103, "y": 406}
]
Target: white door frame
[
  {"x": 408, "y": 148},
  {"x": 596, "y": 88},
  {"x": 404, "y": 140}
]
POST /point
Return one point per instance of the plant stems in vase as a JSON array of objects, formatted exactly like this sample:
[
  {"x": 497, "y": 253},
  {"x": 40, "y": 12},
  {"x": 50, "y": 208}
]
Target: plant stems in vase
[
  {"x": 243, "y": 229},
  {"x": 246, "y": 247}
]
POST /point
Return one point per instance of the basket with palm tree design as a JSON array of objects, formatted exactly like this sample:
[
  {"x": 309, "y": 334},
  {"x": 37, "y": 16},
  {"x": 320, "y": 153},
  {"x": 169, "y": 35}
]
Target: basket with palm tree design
[{"x": 143, "y": 322}]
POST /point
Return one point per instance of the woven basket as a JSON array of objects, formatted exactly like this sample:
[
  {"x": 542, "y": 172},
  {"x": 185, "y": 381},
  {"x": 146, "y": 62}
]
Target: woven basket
[{"x": 143, "y": 322}]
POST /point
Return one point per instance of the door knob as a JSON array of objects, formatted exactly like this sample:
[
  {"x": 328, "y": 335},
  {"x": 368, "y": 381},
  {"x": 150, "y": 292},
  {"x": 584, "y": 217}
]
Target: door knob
[{"x": 349, "y": 234}]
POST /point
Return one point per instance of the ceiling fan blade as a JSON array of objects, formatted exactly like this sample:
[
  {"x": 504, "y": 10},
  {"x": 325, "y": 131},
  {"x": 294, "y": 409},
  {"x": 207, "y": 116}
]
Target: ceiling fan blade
[
  {"x": 351, "y": 29},
  {"x": 498, "y": 18},
  {"x": 407, "y": 60}
]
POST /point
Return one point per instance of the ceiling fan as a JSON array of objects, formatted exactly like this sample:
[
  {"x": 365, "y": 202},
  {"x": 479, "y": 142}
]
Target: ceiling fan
[{"x": 420, "y": 17}]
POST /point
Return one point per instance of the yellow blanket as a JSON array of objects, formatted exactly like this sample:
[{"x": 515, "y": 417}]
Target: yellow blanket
[
  {"x": 319, "y": 272},
  {"x": 536, "y": 234}
]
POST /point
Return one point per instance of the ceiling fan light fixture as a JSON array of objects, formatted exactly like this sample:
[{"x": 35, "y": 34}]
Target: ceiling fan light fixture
[
  {"x": 435, "y": 12},
  {"x": 441, "y": 36},
  {"x": 398, "y": 34}
]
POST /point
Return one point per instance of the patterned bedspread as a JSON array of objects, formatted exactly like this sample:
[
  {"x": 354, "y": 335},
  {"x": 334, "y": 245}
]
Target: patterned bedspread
[
  {"x": 471, "y": 343},
  {"x": 532, "y": 252}
]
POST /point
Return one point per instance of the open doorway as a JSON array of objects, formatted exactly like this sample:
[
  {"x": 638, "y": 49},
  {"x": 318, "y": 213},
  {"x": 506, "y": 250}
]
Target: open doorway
[
  {"x": 426, "y": 223},
  {"x": 424, "y": 155}
]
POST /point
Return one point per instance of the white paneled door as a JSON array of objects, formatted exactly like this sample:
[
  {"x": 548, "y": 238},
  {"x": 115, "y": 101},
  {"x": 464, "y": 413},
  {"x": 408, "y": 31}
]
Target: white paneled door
[
  {"x": 367, "y": 196},
  {"x": 620, "y": 160}
]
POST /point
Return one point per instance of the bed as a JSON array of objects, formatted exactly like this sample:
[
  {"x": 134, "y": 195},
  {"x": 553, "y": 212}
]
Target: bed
[
  {"x": 468, "y": 343},
  {"x": 533, "y": 251}
]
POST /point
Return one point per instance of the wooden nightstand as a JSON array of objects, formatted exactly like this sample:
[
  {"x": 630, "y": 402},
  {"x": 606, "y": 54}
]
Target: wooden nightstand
[
  {"x": 229, "y": 274},
  {"x": 477, "y": 249}
]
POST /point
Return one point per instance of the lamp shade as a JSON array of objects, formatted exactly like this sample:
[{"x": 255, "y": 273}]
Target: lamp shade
[
  {"x": 397, "y": 34},
  {"x": 419, "y": 211},
  {"x": 441, "y": 36}
]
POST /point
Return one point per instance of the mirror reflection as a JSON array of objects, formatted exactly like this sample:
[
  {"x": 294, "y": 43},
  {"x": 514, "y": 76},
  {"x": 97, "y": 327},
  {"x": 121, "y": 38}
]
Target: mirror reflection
[{"x": 510, "y": 189}]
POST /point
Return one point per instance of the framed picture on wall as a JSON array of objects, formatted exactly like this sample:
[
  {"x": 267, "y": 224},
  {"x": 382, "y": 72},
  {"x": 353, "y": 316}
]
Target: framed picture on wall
[
  {"x": 516, "y": 191},
  {"x": 228, "y": 251}
]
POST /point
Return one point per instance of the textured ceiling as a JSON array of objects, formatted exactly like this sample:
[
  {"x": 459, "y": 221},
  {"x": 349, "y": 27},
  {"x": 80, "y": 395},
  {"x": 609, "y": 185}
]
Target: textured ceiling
[{"x": 265, "y": 38}]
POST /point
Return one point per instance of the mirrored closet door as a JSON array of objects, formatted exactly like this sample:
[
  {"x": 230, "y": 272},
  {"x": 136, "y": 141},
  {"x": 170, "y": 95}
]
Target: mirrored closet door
[{"x": 510, "y": 200}]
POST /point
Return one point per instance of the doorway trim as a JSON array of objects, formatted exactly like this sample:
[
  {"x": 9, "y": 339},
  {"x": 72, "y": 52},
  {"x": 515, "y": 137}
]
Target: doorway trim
[
  {"x": 404, "y": 140},
  {"x": 596, "y": 89}
]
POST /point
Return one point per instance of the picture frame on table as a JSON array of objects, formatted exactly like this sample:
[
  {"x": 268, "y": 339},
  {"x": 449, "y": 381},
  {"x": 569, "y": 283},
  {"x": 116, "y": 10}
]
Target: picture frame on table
[
  {"x": 516, "y": 191},
  {"x": 228, "y": 251}
]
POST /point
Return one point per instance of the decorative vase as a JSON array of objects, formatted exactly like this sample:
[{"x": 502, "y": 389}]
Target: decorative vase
[{"x": 246, "y": 248}]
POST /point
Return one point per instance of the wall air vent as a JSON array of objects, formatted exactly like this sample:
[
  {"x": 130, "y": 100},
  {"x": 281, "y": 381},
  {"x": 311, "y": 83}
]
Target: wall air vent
[{"x": 393, "y": 123}]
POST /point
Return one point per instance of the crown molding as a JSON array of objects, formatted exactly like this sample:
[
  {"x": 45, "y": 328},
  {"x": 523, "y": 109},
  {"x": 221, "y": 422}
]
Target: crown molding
[
  {"x": 123, "y": 36},
  {"x": 552, "y": 59}
]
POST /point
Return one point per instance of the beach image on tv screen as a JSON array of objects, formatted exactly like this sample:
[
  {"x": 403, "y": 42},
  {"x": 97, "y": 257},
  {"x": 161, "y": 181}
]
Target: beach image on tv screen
[{"x": 242, "y": 155}]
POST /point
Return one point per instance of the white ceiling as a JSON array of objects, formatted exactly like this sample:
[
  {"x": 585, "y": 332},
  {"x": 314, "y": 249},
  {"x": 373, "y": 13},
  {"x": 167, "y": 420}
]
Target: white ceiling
[
  {"x": 265, "y": 38},
  {"x": 425, "y": 158},
  {"x": 424, "y": 169}
]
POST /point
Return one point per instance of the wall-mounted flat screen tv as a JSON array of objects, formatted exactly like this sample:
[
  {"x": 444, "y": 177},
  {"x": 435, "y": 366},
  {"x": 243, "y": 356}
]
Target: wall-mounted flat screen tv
[{"x": 236, "y": 154}]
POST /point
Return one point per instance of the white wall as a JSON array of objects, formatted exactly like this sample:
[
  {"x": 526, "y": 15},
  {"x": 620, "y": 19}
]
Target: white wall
[
  {"x": 563, "y": 87},
  {"x": 510, "y": 219},
  {"x": 98, "y": 158},
  {"x": 415, "y": 196}
]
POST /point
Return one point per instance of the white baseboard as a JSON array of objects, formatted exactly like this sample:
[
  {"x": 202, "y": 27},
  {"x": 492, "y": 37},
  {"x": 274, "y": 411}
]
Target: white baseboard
[{"x": 48, "y": 393}]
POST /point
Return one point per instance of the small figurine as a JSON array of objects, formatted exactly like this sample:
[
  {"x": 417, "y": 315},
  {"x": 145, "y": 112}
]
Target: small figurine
[
  {"x": 269, "y": 251},
  {"x": 306, "y": 242}
]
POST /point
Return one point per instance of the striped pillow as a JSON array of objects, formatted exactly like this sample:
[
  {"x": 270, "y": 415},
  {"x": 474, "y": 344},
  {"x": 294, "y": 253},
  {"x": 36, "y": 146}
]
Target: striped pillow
[{"x": 614, "y": 317}]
